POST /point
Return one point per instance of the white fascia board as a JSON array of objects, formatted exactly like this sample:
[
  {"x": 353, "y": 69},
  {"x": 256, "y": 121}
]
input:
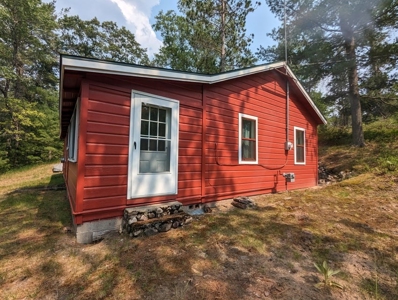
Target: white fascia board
[
  {"x": 291, "y": 74},
  {"x": 103, "y": 67}
]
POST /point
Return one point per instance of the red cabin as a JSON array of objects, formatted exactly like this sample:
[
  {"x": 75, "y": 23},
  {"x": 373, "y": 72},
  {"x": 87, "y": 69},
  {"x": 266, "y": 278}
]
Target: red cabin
[{"x": 138, "y": 135}]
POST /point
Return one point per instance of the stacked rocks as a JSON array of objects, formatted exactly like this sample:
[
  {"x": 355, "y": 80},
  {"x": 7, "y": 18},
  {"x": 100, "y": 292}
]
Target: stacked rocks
[
  {"x": 149, "y": 220},
  {"x": 243, "y": 202},
  {"x": 326, "y": 176}
]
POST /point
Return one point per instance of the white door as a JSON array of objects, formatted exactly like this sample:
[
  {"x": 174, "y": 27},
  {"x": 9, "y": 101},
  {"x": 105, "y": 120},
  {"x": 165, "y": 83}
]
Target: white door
[{"x": 153, "y": 153}]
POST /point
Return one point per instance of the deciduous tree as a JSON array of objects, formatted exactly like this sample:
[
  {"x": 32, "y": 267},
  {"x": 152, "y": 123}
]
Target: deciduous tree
[
  {"x": 28, "y": 65},
  {"x": 102, "y": 40}
]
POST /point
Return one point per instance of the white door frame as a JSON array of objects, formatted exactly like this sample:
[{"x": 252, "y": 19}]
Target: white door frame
[{"x": 151, "y": 184}]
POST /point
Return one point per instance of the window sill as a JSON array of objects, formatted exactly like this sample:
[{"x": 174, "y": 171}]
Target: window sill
[{"x": 244, "y": 162}]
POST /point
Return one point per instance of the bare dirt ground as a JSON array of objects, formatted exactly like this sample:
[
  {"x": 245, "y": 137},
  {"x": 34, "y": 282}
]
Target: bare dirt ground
[{"x": 263, "y": 253}]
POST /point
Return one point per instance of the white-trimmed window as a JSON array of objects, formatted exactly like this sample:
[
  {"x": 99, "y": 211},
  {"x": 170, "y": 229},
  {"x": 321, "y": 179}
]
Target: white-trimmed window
[
  {"x": 73, "y": 133},
  {"x": 248, "y": 139},
  {"x": 299, "y": 147}
]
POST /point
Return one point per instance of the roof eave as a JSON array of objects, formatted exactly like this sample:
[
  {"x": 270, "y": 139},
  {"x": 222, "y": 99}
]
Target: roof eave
[{"x": 106, "y": 67}]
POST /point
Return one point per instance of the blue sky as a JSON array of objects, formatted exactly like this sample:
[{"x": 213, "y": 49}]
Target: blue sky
[{"x": 138, "y": 16}]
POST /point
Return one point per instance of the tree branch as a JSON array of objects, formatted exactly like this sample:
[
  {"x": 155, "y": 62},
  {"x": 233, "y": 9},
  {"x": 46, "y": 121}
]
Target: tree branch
[{"x": 315, "y": 22}]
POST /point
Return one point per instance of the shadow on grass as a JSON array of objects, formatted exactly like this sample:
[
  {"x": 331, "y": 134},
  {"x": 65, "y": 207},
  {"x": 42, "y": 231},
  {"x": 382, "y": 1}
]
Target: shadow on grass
[
  {"x": 242, "y": 254},
  {"x": 28, "y": 215}
]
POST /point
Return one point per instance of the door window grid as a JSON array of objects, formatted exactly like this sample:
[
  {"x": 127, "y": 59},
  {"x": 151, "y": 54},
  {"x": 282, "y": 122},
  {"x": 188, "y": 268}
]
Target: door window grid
[{"x": 153, "y": 128}]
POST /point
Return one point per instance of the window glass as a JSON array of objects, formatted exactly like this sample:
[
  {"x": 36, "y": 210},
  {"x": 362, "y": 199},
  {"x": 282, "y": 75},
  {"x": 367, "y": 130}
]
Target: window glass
[
  {"x": 248, "y": 150},
  {"x": 155, "y": 143},
  {"x": 248, "y": 139},
  {"x": 248, "y": 129},
  {"x": 300, "y": 146},
  {"x": 73, "y": 134}
]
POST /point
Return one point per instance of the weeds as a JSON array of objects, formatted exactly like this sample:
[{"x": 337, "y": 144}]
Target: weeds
[
  {"x": 327, "y": 274},
  {"x": 181, "y": 291}
]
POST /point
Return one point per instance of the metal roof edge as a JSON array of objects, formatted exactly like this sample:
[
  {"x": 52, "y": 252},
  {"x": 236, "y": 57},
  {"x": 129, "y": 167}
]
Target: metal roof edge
[{"x": 107, "y": 67}]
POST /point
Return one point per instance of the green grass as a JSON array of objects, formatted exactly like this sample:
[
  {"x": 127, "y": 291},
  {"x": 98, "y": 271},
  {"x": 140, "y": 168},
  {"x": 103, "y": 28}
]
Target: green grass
[
  {"x": 238, "y": 254},
  {"x": 380, "y": 154}
]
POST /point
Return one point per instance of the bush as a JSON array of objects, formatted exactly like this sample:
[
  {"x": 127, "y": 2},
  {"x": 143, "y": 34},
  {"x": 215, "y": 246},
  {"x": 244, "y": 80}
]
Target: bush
[{"x": 331, "y": 135}]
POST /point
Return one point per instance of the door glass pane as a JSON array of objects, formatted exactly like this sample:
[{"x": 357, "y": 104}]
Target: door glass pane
[
  {"x": 144, "y": 127},
  {"x": 162, "y": 130},
  {"x": 145, "y": 112},
  {"x": 144, "y": 144},
  {"x": 154, "y": 114},
  {"x": 152, "y": 145},
  {"x": 154, "y": 129},
  {"x": 162, "y": 115},
  {"x": 161, "y": 145}
]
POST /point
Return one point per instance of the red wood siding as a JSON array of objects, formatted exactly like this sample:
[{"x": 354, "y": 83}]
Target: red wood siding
[
  {"x": 72, "y": 182},
  {"x": 107, "y": 144},
  {"x": 107, "y": 140},
  {"x": 208, "y": 113},
  {"x": 70, "y": 173},
  {"x": 262, "y": 96}
]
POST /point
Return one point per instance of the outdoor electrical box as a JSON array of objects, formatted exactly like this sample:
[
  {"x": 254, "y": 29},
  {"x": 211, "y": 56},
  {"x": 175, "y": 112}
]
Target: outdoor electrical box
[
  {"x": 288, "y": 146},
  {"x": 290, "y": 177}
]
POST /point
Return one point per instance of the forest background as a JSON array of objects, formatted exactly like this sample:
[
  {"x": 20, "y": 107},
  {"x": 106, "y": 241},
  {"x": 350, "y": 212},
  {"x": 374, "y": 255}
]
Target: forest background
[{"x": 343, "y": 52}]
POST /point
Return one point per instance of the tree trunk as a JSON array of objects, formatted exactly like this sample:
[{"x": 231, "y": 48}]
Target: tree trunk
[{"x": 353, "y": 93}]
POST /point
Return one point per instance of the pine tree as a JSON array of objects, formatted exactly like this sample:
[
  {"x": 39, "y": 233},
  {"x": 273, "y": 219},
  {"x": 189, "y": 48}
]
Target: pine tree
[
  {"x": 207, "y": 36},
  {"x": 329, "y": 40}
]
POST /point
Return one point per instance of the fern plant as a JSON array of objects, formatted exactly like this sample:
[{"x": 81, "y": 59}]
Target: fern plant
[{"x": 327, "y": 273}]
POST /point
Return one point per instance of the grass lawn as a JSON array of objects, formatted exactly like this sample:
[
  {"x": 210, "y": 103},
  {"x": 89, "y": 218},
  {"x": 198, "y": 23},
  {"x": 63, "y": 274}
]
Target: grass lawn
[{"x": 265, "y": 253}]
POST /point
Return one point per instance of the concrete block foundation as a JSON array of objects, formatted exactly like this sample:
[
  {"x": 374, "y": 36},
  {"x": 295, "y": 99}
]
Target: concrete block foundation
[{"x": 89, "y": 232}]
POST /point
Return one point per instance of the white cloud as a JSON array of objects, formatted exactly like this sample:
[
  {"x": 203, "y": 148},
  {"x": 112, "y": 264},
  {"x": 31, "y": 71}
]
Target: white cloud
[{"x": 137, "y": 13}]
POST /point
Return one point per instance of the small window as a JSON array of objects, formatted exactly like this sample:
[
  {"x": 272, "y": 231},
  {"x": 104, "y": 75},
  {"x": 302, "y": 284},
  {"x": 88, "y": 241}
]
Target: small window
[
  {"x": 299, "y": 152},
  {"x": 73, "y": 130},
  {"x": 248, "y": 139}
]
